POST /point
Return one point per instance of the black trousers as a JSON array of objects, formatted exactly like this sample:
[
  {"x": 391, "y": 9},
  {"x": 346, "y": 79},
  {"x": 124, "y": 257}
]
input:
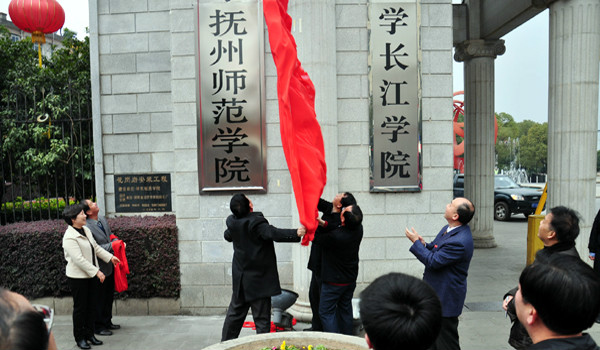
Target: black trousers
[
  {"x": 85, "y": 294},
  {"x": 237, "y": 312},
  {"x": 106, "y": 295},
  {"x": 314, "y": 296},
  {"x": 448, "y": 337}
]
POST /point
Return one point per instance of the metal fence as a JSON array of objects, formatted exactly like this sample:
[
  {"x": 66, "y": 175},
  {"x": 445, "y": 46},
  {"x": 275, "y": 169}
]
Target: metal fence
[{"x": 47, "y": 152}]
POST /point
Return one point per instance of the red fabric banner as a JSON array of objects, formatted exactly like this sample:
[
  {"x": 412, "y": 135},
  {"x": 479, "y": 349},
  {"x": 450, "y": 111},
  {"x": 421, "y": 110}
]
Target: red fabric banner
[
  {"x": 122, "y": 270},
  {"x": 300, "y": 131}
]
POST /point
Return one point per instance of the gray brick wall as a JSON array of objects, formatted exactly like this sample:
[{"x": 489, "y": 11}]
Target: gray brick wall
[{"x": 148, "y": 115}]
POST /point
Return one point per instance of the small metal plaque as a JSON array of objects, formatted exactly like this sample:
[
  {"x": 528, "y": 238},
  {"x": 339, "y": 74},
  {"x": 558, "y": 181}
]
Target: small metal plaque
[{"x": 138, "y": 193}]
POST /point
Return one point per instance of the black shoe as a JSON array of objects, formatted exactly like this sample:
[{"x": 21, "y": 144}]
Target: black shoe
[
  {"x": 103, "y": 332},
  {"x": 82, "y": 344},
  {"x": 94, "y": 341},
  {"x": 114, "y": 326}
]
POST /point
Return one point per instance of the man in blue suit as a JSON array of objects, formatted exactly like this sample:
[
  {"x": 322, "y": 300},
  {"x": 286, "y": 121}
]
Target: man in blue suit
[{"x": 446, "y": 261}]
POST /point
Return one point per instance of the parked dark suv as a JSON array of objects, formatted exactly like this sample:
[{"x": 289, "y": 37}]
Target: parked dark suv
[{"x": 509, "y": 197}]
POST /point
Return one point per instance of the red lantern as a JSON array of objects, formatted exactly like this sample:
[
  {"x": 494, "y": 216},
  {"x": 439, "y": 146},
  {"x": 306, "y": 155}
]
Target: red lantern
[{"x": 38, "y": 17}]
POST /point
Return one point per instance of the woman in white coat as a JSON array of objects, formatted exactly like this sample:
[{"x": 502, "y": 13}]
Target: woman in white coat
[{"x": 82, "y": 253}]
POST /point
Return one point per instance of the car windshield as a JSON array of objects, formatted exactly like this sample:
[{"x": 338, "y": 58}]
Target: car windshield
[{"x": 504, "y": 182}]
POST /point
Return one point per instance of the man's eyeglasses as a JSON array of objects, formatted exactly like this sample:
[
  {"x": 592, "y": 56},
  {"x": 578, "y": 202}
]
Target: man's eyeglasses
[{"x": 47, "y": 313}]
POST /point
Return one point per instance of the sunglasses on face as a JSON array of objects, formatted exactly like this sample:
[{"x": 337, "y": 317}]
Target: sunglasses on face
[{"x": 47, "y": 313}]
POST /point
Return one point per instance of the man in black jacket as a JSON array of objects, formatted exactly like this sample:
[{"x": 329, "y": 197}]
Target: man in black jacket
[
  {"x": 339, "y": 271},
  {"x": 329, "y": 221},
  {"x": 594, "y": 247},
  {"x": 254, "y": 268},
  {"x": 558, "y": 232},
  {"x": 557, "y": 300}
]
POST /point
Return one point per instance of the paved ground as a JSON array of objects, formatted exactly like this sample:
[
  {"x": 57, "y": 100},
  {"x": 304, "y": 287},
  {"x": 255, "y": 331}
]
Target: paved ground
[{"x": 483, "y": 324}]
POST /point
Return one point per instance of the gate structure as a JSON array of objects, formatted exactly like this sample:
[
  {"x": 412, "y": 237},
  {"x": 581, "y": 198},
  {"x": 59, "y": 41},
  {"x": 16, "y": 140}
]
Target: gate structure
[{"x": 47, "y": 151}]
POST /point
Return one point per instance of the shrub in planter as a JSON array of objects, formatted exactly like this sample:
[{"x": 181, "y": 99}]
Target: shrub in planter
[{"x": 33, "y": 263}]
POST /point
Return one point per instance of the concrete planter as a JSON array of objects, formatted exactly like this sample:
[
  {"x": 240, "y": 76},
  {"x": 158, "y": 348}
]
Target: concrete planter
[{"x": 259, "y": 341}]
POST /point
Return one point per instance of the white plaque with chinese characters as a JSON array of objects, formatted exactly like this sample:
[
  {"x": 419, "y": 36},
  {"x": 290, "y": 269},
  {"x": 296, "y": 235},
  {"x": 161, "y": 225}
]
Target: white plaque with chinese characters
[
  {"x": 395, "y": 154},
  {"x": 231, "y": 97}
]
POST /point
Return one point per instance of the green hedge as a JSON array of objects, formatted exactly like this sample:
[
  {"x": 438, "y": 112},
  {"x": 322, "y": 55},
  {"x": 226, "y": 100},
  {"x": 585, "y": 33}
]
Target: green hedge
[
  {"x": 37, "y": 209},
  {"x": 33, "y": 263}
]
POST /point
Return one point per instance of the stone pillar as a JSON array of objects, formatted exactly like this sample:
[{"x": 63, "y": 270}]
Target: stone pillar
[
  {"x": 479, "y": 56},
  {"x": 316, "y": 19},
  {"x": 96, "y": 112},
  {"x": 573, "y": 109}
]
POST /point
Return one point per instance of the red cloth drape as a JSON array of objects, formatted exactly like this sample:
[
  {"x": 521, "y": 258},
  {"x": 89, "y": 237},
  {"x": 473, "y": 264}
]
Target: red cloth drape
[
  {"x": 300, "y": 131},
  {"x": 122, "y": 270}
]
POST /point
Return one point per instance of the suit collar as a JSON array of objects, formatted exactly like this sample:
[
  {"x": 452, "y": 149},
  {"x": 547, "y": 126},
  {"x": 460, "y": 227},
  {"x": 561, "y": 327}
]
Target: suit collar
[{"x": 454, "y": 231}]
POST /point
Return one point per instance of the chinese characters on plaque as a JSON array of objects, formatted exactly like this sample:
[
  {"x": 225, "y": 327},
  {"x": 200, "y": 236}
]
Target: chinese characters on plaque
[
  {"x": 230, "y": 78},
  {"x": 136, "y": 193},
  {"x": 395, "y": 97}
]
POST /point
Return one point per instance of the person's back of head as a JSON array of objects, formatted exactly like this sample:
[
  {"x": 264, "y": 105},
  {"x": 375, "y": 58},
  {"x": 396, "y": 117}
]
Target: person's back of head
[
  {"x": 20, "y": 329},
  {"x": 565, "y": 222},
  {"x": 239, "y": 205},
  {"x": 465, "y": 211},
  {"x": 85, "y": 206},
  {"x": 564, "y": 292},
  {"x": 348, "y": 199},
  {"x": 71, "y": 212},
  {"x": 353, "y": 217},
  {"x": 399, "y": 311}
]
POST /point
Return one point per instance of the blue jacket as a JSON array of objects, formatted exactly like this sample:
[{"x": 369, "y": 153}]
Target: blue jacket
[{"x": 446, "y": 261}]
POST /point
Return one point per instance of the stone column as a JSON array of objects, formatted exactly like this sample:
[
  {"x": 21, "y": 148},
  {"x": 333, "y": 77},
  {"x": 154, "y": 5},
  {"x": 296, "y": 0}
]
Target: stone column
[
  {"x": 316, "y": 19},
  {"x": 573, "y": 109},
  {"x": 96, "y": 112},
  {"x": 479, "y": 56}
]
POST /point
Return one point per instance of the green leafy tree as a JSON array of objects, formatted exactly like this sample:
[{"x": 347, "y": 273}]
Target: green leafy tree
[
  {"x": 507, "y": 141},
  {"x": 524, "y": 126},
  {"x": 521, "y": 144},
  {"x": 507, "y": 127},
  {"x": 534, "y": 148},
  {"x": 36, "y": 104}
]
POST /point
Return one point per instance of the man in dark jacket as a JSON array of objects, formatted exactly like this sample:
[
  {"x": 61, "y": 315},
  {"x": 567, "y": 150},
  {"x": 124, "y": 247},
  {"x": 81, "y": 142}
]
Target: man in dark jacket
[
  {"x": 594, "y": 243},
  {"x": 339, "y": 270},
  {"x": 399, "y": 311},
  {"x": 446, "y": 261},
  {"x": 558, "y": 232},
  {"x": 594, "y": 247},
  {"x": 556, "y": 301},
  {"x": 254, "y": 268},
  {"x": 101, "y": 231},
  {"x": 329, "y": 221}
]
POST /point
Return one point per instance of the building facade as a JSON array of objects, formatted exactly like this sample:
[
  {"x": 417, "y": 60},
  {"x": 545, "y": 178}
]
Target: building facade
[{"x": 144, "y": 82}]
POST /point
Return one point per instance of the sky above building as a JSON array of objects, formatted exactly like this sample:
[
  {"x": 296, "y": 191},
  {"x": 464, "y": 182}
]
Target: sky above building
[{"x": 521, "y": 73}]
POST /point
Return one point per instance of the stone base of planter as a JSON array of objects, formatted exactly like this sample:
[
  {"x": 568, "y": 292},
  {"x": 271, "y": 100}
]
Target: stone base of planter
[{"x": 259, "y": 341}]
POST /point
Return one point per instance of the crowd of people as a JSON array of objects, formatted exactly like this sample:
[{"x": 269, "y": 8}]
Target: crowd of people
[
  {"x": 556, "y": 299},
  {"x": 401, "y": 311},
  {"x": 88, "y": 251}
]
